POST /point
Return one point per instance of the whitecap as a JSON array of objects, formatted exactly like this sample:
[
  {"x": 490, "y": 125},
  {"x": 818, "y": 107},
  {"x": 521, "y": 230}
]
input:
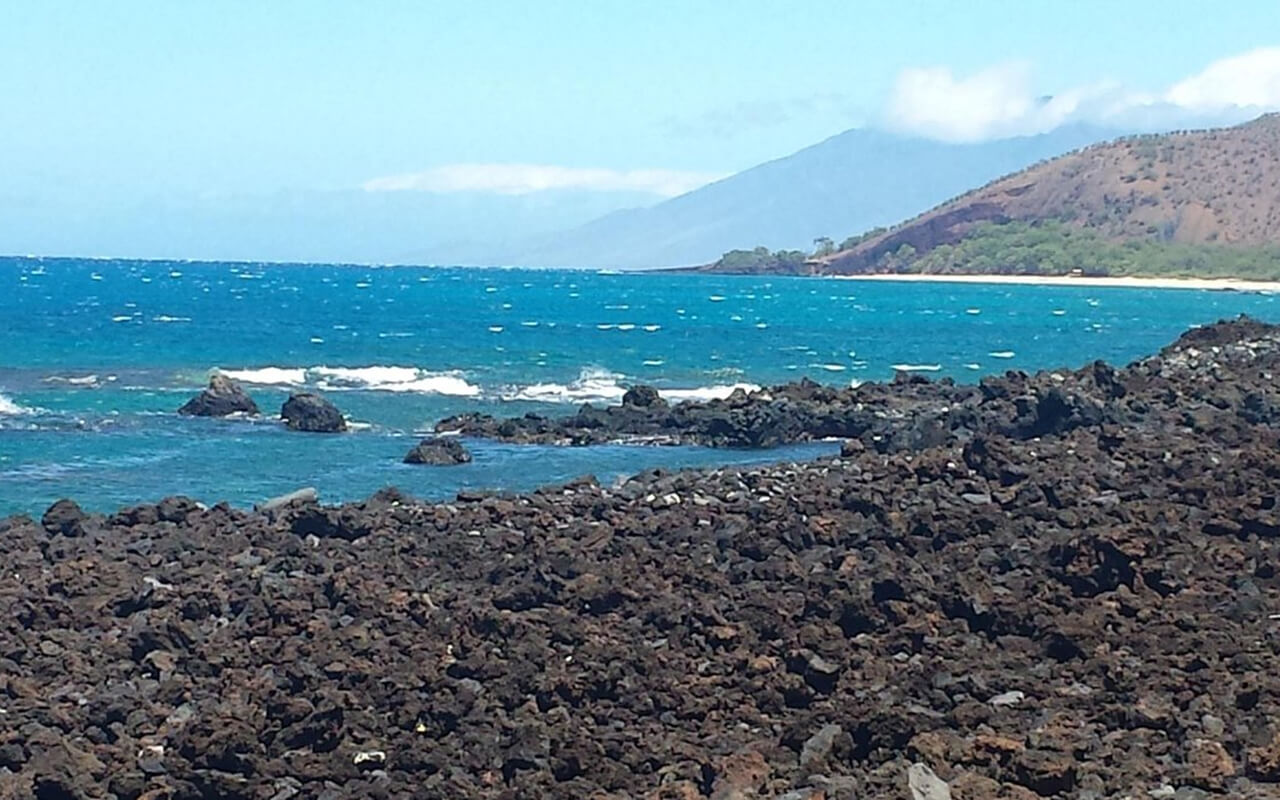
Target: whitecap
[
  {"x": 762, "y": 325},
  {"x": 716, "y": 298},
  {"x": 168, "y": 318},
  {"x": 532, "y": 323},
  {"x": 363, "y": 285},
  {"x": 1001, "y": 354},
  {"x": 652, "y": 328},
  {"x": 593, "y": 384},
  {"x": 626, "y": 326},
  {"x": 175, "y": 273},
  {"x": 736, "y": 318},
  {"x": 972, "y": 365},
  {"x": 122, "y": 318},
  {"x": 95, "y": 276},
  {"x": 146, "y": 279},
  {"x": 495, "y": 329},
  {"x": 394, "y": 334},
  {"x": 491, "y": 289},
  {"x": 317, "y": 340},
  {"x": 1059, "y": 312},
  {"x": 8, "y": 408},
  {"x": 974, "y": 311},
  {"x": 829, "y": 367},
  {"x": 917, "y": 367},
  {"x": 714, "y": 392},
  {"x": 653, "y": 362},
  {"x": 506, "y": 306},
  {"x": 268, "y": 376},
  {"x": 618, "y": 307},
  {"x": 606, "y": 326}
]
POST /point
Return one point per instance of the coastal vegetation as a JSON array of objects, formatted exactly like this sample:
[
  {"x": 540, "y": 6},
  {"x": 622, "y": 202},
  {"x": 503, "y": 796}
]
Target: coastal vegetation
[{"x": 1056, "y": 248}]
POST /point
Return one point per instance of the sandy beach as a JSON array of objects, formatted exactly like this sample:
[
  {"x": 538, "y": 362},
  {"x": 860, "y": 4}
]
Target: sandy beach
[{"x": 1210, "y": 284}]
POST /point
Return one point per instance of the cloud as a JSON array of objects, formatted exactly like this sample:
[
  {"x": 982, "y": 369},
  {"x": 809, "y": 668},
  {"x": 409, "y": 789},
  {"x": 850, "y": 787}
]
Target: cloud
[
  {"x": 1000, "y": 101},
  {"x": 530, "y": 178},
  {"x": 1249, "y": 80}
]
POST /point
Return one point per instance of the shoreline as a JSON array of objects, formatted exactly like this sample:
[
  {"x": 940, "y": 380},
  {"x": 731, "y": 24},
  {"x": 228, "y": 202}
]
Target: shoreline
[{"x": 1118, "y": 282}]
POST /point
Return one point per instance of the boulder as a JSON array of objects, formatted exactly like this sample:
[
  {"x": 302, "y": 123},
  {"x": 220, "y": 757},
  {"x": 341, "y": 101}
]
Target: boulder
[
  {"x": 64, "y": 517},
  {"x": 221, "y": 398},
  {"x": 438, "y": 451},
  {"x": 643, "y": 397},
  {"x": 305, "y": 411}
]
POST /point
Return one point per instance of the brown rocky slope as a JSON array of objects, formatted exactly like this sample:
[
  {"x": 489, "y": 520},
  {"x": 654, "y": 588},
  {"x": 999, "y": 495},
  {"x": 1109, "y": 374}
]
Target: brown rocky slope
[
  {"x": 1219, "y": 185},
  {"x": 1080, "y": 614}
]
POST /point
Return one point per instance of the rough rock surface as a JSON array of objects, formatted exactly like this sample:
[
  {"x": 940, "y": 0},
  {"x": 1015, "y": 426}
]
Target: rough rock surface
[
  {"x": 1083, "y": 615},
  {"x": 438, "y": 451},
  {"x": 304, "y": 411},
  {"x": 222, "y": 398}
]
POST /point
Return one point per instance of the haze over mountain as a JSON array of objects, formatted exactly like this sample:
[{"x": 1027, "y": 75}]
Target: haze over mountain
[
  {"x": 1211, "y": 186},
  {"x": 852, "y": 182}
]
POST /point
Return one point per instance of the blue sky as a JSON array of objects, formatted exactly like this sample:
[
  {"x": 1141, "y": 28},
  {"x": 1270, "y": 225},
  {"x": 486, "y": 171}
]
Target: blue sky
[{"x": 167, "y": 99}]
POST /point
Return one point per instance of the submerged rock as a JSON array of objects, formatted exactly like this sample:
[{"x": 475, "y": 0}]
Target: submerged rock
[
  {"x": 438, "y": 451},
  {"x": 306, "y": 411},
  {"x": 222, "y": 398}
]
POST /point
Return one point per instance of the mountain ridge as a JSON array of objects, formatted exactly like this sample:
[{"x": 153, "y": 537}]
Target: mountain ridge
[
  {"x": 1210, "y": 186},
  {"x": 787, "y": 202}
]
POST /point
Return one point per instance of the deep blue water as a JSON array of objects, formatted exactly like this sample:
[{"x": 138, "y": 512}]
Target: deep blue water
[{"x": 96, "y": 355}]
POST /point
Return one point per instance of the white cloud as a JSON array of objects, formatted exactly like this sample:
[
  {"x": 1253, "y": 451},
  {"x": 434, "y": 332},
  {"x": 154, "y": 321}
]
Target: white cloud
[
  {"x": 1000, "y": 101},
  {"x": 530, "y": 178},
  {"x": 1249, "y": 80}
]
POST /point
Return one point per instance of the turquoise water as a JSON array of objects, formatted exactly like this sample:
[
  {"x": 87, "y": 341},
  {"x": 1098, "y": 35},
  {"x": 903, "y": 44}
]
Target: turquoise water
[{"x": 95, "y": 356}]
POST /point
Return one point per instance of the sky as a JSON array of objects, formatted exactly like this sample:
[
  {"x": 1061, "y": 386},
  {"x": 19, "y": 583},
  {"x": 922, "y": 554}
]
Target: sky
[{"x": 135, "y": 100}]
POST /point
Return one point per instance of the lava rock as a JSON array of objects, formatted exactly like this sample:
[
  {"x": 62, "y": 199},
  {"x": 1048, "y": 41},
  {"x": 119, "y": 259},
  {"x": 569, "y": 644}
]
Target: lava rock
[
  {"x": 438, "y": 451},
  {"x": 64, "y": 517},
  {"x": 642, "y": 397},
  {"x": 222, "y": 398},
  {"x": 305, "y": 411}
]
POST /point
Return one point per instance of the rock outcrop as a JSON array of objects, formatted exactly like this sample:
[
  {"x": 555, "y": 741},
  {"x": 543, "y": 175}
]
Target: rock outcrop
[
  {"x": 438, "y": 451},
  {"x": 222, "y": 398},
  {"x": 305, "y": 411}
]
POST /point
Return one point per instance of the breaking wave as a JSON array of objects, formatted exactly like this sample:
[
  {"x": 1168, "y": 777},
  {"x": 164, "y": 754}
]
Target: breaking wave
[
  {"x": 373, "y": 378},
  {"x": 595, "y": 385},
  {"x": 8, "y": 408}
]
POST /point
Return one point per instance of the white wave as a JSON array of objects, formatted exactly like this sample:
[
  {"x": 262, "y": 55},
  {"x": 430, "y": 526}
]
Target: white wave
[
  {"x": 121, "y": 318},
  {"x": 716, "y": 298},
  {"x": 829, "y": 367},
  {"x": 973, "y": 365},
  {"x": 652, "y": 328},
  {"x": 593, "y": 385},
  {"x": 1001, "y": 354},
  {"x": 75, "y": 380},
  {"x": 716, "y": 392},
  {"x": 10, "y": 408},
  {"x": 495, "y": 329},
  {"x": 974, "y": 311},
  {"x": 168, "y": 318},
  {"x": 627, "y": 326},
  {"x": 393, "y": 379},
  {"x": 268, "y": 376},
  {"x": 917, "y": 367}
]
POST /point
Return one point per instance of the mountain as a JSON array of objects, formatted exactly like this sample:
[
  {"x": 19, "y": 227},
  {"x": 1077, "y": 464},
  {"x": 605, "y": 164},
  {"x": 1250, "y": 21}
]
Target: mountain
[
  {"x": 1186, "y": 190},
  {"x": 852, "y": 182}
]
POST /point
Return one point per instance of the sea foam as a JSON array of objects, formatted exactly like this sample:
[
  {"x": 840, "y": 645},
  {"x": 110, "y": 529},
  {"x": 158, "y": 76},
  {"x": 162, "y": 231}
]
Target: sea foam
[{"x": 375, "y": 378}]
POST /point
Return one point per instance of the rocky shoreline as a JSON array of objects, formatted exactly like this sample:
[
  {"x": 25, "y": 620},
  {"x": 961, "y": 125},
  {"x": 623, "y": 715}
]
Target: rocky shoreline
[
  {"x": 914, "y": 413},
  {"x": 1061, "y": 585}
]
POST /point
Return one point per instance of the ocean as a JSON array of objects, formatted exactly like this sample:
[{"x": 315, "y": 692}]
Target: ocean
[{"x": 96, "y": 356}]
